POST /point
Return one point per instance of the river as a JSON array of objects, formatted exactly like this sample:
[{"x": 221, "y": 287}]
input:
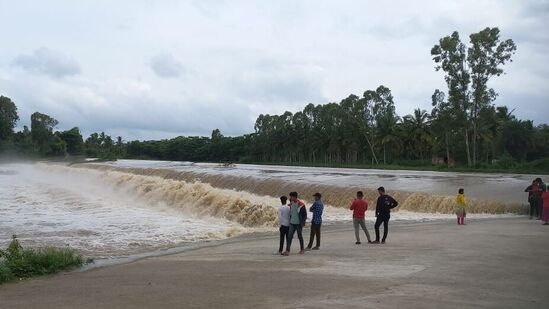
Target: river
[{"x": 131, "y": 206}]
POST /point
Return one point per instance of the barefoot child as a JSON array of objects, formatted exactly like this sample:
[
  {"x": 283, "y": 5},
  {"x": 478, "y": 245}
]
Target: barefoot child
[{"x": 460, "y": 207}]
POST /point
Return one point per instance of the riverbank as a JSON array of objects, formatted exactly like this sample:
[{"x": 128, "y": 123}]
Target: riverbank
[
  {"x": 537, "y": 167},
  {"x": 488, "y": 263}
]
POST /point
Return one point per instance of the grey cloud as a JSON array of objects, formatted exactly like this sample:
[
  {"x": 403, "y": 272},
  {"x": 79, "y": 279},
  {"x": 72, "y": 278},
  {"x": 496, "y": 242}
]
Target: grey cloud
[
  {"x": 535, "y": 8},
  {"x": 280, "y": 89},
  {"x": 166, "y": 66},
  {"x": 133, "y": 114},
  {"x": 527, "y": 106},
  {"x": 48, "y": 62},
  {"x": 251, "y": 59},
  {"x": 277, "y": 81}
]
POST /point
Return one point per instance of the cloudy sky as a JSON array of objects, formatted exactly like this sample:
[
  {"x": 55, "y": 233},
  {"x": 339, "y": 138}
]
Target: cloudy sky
[{"x": 158, "y": 69}]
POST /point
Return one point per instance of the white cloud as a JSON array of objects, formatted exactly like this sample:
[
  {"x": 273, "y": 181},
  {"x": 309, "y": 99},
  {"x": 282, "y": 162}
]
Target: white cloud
[
  {"x": 48, "y": 62},
  {"x": 166, "y": 66}
]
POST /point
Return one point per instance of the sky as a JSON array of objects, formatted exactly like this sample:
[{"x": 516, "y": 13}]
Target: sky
[{"x": 160, "y": 69}]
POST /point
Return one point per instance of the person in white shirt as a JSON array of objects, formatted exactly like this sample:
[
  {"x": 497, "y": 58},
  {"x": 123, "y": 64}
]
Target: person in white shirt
[{"x": 284, "y": 219}]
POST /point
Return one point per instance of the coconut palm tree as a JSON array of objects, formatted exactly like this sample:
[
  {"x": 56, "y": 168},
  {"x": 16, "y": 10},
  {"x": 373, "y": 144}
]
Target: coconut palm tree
[{"x": 417, "y": 127}]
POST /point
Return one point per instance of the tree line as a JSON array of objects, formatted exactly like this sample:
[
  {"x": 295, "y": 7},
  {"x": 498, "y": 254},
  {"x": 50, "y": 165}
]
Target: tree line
[{"x": 464, "y": 127}]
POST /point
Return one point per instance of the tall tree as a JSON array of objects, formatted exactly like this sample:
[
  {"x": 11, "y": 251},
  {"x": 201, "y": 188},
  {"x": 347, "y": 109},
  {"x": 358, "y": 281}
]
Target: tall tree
[
  {"x": 468, "y": 71},
  {"x": 417, "y": 128},
  {"x": 486, "y": 55},
  {"x": 450, "y": 56},
  {"x": 386, "y": 119},
  {"x": 8, "y": 119},
  {"x": 42, "y": 127},
  {"x": 444, "y": 123},
  {"x": 368, "y": 124}
]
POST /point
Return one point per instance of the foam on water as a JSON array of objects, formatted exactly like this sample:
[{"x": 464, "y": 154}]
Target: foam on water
[
  {"x": 506, "y": 188},
  {"x": 338, "y": 194},
  {"x": 50, "y": 206},
  {"x": 105, "y": 210}
]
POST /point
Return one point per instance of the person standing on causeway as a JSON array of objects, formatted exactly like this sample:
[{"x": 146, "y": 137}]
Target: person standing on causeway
[
  {"x": 298, "y": 217},
  {"x": 383, "y": 213},
  {"x": 317, "y": 208}
]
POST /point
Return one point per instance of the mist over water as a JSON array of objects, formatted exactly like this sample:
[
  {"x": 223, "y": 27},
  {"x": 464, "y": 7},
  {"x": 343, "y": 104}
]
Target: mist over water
[
  {"x": 129, "y": 207},
  {"x": 55, "y": 205}
]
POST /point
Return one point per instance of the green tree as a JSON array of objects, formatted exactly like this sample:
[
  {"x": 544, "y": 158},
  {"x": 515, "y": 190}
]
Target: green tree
[
  {"x": 418, "y": 131},
  {"x": 23, "y": 142},
  {"x": 468, "y": 71},
  {"x": 386, "y": 120},
  {"x": 73, "y": 140},
  {"x": 450, "y": 56},
  {"x": 92, "y": 145},
  {"x": 443, "y": 124},
  {"x": 8, "y": 119},
  {"x": 42, "y": 127},
  {"x": 485, "y": 57},
  {"x": 541, "y": 143},
  {"x": 57, "y": 146},
  {"x": 519, "y": 139},
  {"x": 120, "y": 149}
]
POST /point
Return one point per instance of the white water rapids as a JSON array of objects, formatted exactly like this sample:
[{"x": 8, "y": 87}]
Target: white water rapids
[{"x": 130, "y": 207}]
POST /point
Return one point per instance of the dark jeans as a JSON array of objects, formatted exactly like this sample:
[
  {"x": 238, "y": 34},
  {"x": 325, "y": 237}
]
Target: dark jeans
[
  {"x": 385, "y": 220},
  {"x": 539, "y": 205},
  {"x": 293, "y": 229},
  {"x": 536, "y": 206},
  {"x": 315, "y": 230},
  {"x": 283, "y": 235}
]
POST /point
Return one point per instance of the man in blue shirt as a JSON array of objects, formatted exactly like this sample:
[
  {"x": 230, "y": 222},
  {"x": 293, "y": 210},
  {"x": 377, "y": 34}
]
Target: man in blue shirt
[{"x": 316, "y": 209}]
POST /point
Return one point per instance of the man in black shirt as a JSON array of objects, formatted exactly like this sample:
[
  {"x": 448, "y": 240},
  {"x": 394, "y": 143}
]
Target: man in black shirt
[{"x": 383, "y": 213}]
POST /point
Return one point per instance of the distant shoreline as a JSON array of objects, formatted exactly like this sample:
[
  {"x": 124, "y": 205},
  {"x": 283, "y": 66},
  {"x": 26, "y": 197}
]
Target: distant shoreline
[{"x": 388, "y": 167}]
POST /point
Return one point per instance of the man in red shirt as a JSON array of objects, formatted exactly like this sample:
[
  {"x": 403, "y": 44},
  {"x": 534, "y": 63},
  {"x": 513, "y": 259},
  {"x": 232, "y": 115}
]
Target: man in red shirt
[{"x": 359, "y": 206}]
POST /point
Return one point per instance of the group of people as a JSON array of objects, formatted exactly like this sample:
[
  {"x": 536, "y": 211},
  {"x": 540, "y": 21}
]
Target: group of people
[
  {"x": 292, "y": 216},
  {"x": 538, "y": 198}
]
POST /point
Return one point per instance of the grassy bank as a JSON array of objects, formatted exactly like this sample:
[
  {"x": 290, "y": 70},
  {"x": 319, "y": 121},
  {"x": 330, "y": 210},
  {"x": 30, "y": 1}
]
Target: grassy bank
[{"x": 17, "y": 262}]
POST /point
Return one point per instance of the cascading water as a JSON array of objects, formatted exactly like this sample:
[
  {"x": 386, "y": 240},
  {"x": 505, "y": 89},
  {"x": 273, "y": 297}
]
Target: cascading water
[
  {"x": 333, "y": 194},
  {"x": 108, "y": 210}
]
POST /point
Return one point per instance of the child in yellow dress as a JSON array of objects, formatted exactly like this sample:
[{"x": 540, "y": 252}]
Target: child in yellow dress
[{"x": 460, "y": 207}]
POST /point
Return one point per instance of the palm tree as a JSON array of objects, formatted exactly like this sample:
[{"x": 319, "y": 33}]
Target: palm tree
[
  {"x": 417, "y": 126},
  {"x": 388, "y": 133}
]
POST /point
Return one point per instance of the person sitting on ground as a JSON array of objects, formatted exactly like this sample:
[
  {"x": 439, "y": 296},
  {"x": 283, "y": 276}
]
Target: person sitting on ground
[
  {"x": 284, "y": 219},
  {"x": 359, "y": 207},
  {"x": 460, "y": 207},
  {"x": 545, "y": 198},
  {"x": 383, "y": 213},
  {"x": 298, "y": 217},
  {"x": 317, "y": 208}
]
